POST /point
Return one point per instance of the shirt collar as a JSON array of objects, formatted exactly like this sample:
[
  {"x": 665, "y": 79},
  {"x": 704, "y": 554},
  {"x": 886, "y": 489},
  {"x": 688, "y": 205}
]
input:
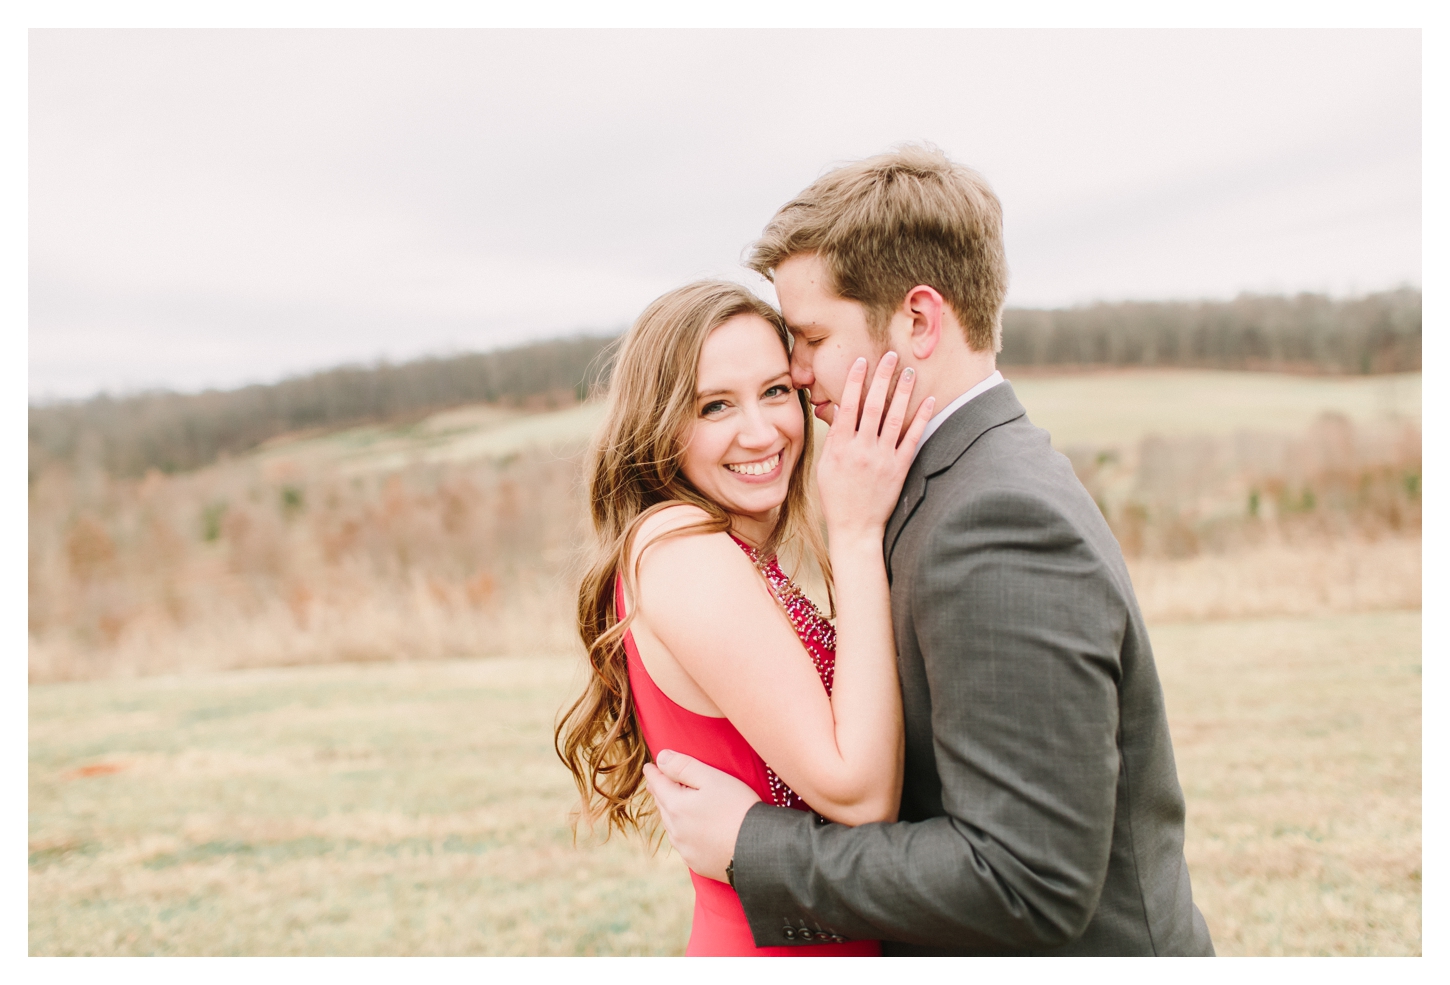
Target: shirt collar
[{"x": 940, "y": 417}]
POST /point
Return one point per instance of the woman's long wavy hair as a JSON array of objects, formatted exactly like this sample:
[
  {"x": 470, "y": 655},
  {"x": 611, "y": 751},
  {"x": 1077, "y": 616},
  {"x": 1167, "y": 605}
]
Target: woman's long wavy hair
[{"x": 633, "y": 471}]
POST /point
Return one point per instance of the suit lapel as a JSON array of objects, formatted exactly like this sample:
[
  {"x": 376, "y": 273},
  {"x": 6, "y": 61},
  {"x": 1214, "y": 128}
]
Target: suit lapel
[
  {"x": 947, "y": 444},
  {"x": 912, "y": 493}
]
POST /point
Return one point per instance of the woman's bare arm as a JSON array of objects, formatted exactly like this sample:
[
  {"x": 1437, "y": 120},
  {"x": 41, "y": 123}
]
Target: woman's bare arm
[{"x": 704, "y": 603}]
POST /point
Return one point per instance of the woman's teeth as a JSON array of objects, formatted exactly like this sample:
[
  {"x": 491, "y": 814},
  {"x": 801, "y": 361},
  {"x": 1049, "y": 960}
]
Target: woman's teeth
[{"x": 757, "y": 468}]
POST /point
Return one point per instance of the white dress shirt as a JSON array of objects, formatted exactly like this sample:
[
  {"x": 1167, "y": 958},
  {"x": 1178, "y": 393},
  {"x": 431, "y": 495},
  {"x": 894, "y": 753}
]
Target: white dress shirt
[{"x": 939, "y": 418}]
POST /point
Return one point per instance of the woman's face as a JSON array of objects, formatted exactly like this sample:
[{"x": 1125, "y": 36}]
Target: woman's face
[{"x": 748, "y": 429}]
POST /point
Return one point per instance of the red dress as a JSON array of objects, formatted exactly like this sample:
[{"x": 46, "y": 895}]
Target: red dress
[{"x": 720, "y": 928}]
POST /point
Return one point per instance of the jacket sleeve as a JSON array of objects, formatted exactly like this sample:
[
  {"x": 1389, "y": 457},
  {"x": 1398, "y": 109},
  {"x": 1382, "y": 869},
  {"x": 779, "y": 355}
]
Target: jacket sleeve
[{"x": 1020, "y": 630}]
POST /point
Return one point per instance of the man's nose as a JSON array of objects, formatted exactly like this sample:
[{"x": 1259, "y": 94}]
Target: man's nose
[{"x": 800, "y": 370}]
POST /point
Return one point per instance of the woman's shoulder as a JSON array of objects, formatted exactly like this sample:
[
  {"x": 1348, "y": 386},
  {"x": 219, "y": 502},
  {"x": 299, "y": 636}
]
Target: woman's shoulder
[
  {"x": 676, "y": 516},
  {"x": 666, "y": 545}
]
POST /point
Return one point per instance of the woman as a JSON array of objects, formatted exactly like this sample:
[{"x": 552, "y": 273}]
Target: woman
[{"x": 698, "y": 641}]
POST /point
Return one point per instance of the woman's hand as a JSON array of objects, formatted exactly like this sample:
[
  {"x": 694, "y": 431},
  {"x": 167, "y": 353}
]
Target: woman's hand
[{"x": 862, "y": 467}]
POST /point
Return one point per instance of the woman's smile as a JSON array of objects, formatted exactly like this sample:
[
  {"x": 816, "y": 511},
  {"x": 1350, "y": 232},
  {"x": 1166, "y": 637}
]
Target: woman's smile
[
  {"x": 760, "y": 469},
  {"x": 748, "y": 432}
]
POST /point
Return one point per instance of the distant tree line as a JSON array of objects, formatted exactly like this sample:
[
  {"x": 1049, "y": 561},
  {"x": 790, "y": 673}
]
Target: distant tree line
[
  {"x": 1378, "y": 333},
  {"x": 176, "y": 432},
  {"x": 179, "y": 431}
]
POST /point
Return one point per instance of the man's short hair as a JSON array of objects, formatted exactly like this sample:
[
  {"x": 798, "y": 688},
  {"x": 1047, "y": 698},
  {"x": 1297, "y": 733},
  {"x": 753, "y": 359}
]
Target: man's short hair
[{"x": 888, "y": 223}]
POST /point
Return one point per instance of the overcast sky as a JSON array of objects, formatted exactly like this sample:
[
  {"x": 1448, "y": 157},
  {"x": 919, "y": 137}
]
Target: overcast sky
[{"x": 221, "y": 207}]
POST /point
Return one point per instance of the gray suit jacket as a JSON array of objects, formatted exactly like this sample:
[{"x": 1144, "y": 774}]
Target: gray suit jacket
[{"x": 1041, "y": 812}]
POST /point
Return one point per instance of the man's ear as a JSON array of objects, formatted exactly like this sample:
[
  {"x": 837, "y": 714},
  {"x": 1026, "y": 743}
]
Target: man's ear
[{"x": 923, "y": 305}]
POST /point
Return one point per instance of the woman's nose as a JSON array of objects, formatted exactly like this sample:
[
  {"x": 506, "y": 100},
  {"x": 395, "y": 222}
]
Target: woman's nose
[{"x": 756, "y": 431}]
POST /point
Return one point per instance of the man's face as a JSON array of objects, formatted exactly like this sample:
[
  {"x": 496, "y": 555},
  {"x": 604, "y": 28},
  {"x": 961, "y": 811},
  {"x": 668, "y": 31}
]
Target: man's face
[{"x": 830, "y": 332}]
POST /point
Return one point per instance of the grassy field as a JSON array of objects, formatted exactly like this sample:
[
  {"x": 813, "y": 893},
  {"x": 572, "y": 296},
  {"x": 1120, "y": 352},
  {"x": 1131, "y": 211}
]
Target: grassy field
[
  {"x": 1100, "y": 407},
  {"x": 459, "y": 535},
  {"x": 1124, "y": 406},
  {"x": 388, "y": 802},
  {"x": 418, "y": 809},
  {"x": 1298, "y": 746},
  {"x": 413, "y": 809}
]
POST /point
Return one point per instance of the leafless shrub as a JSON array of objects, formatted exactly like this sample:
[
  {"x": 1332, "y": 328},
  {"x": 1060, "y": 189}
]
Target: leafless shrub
[
  {"x": 245, "y": 564},
  {"x": 1184, "y": 496},
  {"x": 297, "y": 559}
]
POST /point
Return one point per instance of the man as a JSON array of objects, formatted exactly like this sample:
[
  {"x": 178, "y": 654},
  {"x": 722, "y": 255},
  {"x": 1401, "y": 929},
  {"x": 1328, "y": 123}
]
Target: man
[{"x": 1041, "y": 811}]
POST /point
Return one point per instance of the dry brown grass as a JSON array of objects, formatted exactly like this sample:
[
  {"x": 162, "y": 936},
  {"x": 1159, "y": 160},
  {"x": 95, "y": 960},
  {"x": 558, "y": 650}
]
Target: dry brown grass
[
  {"x": 1121, "y": 407},
  {"x": 1316, "y": 578},
  {"x": 456, "y": 536},
  {"x": 255, "y": 564},
  {"x": 276, "y": 563},
  {"x": 1180, "y": 497},
  {"x": 1298, "y": 745},
  {"x": 418, "y": 809},
  {"x": 400, "y": 809}
]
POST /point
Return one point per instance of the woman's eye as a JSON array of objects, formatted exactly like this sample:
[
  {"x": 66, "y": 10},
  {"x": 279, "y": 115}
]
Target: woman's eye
[
  {"x": 812, "y": 343},
  {"x": 713, "y": 407},
  {"x": 779, "y": 390}
]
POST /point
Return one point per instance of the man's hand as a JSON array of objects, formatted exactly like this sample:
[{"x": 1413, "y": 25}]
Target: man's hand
[{"x": 701, "y": 807}]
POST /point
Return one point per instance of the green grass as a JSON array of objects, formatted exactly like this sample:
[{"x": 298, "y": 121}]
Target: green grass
[
  {"x": 1101, "y": 408},
  {"x": 418, "y": 808},
  {"x": 463, "y": 434},
  {"x": 1120, "y": 407}
]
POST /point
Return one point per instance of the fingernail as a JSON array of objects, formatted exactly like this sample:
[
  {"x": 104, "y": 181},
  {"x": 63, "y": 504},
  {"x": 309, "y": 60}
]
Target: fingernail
[
  {"x": 889, "y": 355},
  {"x": 861, "y": 361},
  {"x": 664, "y": 754},
  {"x": 907, "y": 374}
]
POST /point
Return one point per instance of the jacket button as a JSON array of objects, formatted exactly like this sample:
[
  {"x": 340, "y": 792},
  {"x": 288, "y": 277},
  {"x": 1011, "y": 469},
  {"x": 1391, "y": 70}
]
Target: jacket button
[
  {"x": 790, "y": 933},
  {"x": 838, "y": 938},
  {"x": 804, "y": 934}
]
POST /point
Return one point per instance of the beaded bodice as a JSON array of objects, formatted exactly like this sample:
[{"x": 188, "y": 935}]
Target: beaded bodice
[{"x": 816, "y": 634}]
